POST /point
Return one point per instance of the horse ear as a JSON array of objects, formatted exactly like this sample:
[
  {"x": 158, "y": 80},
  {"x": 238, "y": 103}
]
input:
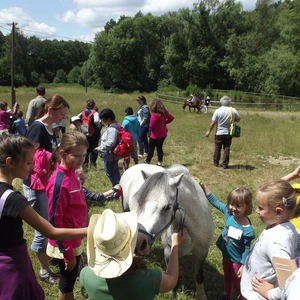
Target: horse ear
[
  {"x": 177, "y": 179},
  {"x": 145, "y": 174}
]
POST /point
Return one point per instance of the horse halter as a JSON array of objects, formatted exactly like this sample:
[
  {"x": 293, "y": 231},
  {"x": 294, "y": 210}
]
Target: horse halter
[{"x": 175, "y": 209}]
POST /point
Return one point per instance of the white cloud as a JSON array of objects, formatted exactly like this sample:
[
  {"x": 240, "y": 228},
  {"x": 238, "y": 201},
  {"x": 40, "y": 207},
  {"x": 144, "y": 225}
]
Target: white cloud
[
  {"x": 96, "y": 13},
  {"x": 26, "y": 22}
]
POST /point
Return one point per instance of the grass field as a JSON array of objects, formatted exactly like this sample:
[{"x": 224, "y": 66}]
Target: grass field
[{"x": 268, "y": 149}]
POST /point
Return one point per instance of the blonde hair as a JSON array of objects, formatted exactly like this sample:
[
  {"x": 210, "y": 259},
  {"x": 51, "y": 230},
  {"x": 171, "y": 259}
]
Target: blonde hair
[
  {"x": 241, "y": 196},
  {"x": 69, "y": 141},
  {"x": 82, "y": 170},
  {"x": 280, "y": 194}
]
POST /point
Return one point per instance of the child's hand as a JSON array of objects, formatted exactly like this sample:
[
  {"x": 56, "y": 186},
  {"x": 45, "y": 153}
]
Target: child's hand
[
  {"x": 240, "y": 271},
  {"x": 95, "y": 150},
  {"x": 261, "y": 286},
  {"x": 70, "y": 265}
]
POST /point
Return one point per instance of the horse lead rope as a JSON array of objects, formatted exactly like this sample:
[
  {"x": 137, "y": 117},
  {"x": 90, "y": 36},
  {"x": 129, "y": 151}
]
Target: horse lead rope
[{"x": 182, "y": 220}]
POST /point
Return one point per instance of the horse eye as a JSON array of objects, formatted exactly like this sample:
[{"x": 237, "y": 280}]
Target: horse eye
[{"x": 167, "y": 207}]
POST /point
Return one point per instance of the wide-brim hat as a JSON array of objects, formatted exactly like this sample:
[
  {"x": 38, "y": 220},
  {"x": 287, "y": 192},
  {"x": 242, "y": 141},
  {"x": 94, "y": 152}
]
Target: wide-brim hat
[
  {"x": 74, "y": 119},
  {"x": 111, "y": 242}
]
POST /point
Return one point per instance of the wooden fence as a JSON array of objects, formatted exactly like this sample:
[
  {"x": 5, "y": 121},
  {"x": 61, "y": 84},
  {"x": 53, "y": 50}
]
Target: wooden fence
[{"x": 283, "y": 105}]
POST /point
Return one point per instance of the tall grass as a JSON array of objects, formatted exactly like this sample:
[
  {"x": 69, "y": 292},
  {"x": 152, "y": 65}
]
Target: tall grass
[{"x": 264, "y": 135}]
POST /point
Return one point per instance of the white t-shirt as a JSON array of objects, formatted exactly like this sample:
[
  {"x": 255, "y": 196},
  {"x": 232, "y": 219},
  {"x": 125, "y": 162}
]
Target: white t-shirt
[
  {"x": 281, "y": 241},
  {"x": 222, "y": 118}
]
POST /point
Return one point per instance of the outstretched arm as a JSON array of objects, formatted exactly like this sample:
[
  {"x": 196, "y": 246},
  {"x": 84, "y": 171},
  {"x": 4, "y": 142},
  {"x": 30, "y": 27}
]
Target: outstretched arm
[
  {"x": 293, "y": 175},
  {"x": 211, "y": 127},
  {"x": 169, "y": 278}
]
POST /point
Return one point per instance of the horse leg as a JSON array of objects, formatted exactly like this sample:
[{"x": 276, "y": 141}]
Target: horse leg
[{"x": 199, "y": 276}]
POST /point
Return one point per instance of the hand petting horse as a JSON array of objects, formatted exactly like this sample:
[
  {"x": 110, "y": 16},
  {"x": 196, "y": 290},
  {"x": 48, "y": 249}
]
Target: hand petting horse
[{"x": 164, "y": 200}]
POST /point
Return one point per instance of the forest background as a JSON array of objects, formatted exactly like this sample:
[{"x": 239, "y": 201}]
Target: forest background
[{"x": 214, "y": 45}]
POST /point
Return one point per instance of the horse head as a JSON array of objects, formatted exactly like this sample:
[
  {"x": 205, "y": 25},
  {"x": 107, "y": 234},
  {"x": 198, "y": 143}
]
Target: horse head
[{"x": 156, "y": 204}]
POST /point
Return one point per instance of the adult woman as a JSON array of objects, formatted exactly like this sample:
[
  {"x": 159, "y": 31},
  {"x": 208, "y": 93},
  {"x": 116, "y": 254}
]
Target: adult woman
[
  {"x": 113, "y": 271},
  {"x": 5, "y": 114},
  {"x": 143, "y": 116},
  {"x": 41, "y": 134},
  {"x": 221, "y": 119},
  {"x": 160, "y": 117},
  {"x": 89, "y": 113},
  {"x": 108, "y": 141}
]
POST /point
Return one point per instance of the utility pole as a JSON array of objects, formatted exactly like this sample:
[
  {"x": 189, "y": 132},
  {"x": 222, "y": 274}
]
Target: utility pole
[
  {"x": 13, "y": 92},
  {"x": 85, "y": 77}
]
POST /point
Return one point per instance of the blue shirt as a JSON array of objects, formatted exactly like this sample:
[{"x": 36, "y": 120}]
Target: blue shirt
[
  {"x": 19, "y": 127},
  {"x": 235, "y": 250}
]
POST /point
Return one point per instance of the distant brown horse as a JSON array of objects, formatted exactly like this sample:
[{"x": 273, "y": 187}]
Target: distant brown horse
[{"x": 196, "y": 104}]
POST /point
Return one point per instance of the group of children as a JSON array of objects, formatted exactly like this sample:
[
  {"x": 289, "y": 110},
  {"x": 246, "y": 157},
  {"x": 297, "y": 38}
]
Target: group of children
[
  {"x": 249, "y": 270},
  {"x": 64, "y": 231}
]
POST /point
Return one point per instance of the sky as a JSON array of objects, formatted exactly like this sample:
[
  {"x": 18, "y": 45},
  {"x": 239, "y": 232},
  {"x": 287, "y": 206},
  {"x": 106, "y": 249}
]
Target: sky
[{"x": 80, "y": 19}]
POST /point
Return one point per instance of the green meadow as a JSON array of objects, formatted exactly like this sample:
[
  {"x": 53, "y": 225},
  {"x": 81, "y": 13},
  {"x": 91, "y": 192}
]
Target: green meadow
[{"x": 267, "y": 149}]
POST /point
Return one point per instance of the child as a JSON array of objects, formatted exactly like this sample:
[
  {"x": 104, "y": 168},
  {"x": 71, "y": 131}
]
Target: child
[
  {"x": 236, "y": 237},
  {"x": 131, "y": 125},
  {"x": 114, "y": 193},
  {"x": 75, "y": 124},
  {"x": 275, "y": 201},
  {"x": 57, "y": 129},
  {"x": 18, "y": 280},
  {"x": 67, "y": 208},
  {"x": 18, "y": 126}
]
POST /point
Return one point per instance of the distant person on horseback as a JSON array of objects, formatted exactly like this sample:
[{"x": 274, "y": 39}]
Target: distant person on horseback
[{"x": 193, "y": 97}]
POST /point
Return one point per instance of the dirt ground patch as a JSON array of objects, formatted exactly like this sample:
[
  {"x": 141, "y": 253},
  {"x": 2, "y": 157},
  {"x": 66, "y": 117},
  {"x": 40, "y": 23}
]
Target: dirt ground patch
[{"x": 284, "y": 161}]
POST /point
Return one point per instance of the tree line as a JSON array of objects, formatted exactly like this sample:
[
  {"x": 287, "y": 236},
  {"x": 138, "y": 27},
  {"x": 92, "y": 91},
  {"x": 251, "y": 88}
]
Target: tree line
[{"x": 216, "y": 44}]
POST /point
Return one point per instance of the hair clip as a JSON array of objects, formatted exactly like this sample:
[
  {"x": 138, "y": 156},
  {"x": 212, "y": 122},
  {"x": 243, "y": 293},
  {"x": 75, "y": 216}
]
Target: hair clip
[{"x": 284, "y": 202}]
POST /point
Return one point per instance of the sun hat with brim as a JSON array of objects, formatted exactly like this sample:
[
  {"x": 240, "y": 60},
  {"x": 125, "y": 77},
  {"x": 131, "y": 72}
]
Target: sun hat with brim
[{"x": 111, "y": 242}]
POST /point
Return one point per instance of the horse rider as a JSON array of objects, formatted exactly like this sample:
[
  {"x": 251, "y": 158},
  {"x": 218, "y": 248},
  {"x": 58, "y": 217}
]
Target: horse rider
[{"x": 193, "y": 97}]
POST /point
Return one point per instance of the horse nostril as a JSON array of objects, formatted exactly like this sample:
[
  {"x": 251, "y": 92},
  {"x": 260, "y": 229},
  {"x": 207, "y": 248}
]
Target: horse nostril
[{"x": 144, "y": 245}]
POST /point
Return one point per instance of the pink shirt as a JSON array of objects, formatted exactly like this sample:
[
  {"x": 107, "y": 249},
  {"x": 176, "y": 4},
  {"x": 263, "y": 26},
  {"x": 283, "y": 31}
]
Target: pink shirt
[
  {"x": 158, "y": 126},
  {"x": 67, "y": 207},
  {"x": 4, "y": 116}
]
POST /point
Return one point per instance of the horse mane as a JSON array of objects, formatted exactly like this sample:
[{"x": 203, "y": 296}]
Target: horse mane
[
  {"x": 154, "y": 186},
  {"x": 177, "y": 169}
]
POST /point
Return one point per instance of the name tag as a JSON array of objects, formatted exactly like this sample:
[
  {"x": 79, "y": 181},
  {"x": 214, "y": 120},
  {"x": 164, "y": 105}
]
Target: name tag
[{"x": 235, "y": 233}]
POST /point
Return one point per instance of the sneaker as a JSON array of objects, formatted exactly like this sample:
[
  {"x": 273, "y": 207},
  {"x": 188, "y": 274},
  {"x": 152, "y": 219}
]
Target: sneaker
[
  {"x": 49, "y": 278},
  {"x": 159, "y": 164},
  {"x": 140, "y": 156}
]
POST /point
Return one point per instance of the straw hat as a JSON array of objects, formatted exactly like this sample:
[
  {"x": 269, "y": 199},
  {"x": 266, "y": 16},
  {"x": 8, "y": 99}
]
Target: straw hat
[{"x": 111, "y": 242}]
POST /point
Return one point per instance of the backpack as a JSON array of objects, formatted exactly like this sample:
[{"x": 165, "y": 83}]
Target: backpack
[
  {"x": 124, "y": 145},
  {"x": 87, "y": 126},
  {"x": 40, "y": 172}
]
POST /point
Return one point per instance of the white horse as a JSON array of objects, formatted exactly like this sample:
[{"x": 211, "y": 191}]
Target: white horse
[{"x": 165, "y": 197}]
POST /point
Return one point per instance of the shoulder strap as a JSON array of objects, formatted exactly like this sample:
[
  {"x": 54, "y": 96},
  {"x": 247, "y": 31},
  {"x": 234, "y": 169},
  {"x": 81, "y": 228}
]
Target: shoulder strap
[
  {"x": 231, "y": 121},
  {"x": 3, "y": 199}
]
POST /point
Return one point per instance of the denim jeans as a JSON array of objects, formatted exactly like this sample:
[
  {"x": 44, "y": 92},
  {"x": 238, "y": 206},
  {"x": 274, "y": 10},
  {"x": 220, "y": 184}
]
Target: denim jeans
[
  {"x": 39, "y": 202},
  {"x": 143, "y": 140},
  {"x": 112, "y": 171}
]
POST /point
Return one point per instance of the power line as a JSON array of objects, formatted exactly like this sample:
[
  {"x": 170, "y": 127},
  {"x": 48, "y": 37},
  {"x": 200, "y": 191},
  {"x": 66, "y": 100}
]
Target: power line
[
  {"x": 5, "y": 28},
  {"x": 53, "y": 35}
]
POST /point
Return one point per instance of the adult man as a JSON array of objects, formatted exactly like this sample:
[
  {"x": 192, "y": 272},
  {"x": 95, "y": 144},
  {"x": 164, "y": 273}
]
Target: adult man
[
  {"x": 143, "y": 116},
  {"x": 221, "y": 118},
  {"x": 35, "y": 104}
]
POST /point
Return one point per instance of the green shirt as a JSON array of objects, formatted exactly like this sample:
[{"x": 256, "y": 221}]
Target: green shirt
[{"x": 140, "y": 284}]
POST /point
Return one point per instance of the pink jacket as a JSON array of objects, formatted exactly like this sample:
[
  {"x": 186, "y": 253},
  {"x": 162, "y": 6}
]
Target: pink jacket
[
  {"x": 67, "y": 207},
  {"x": 158, "y": 128}
]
